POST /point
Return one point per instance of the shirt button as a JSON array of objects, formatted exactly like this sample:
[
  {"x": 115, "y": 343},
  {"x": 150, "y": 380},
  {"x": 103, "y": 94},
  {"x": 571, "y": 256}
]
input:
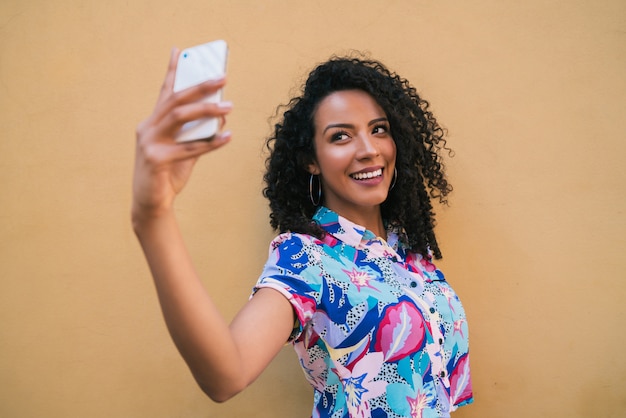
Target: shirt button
[
  {"x": 442, "y": 374},
  {"x": 440, "y": 341},
  {"x": 413, "y": 284}
]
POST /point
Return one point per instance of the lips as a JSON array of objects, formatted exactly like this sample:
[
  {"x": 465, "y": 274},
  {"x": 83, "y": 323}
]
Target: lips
[{"x": 367, "y": 175}]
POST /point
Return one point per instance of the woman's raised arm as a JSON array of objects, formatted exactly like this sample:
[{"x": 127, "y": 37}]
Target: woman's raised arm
[{"x": 223, "y": 358}]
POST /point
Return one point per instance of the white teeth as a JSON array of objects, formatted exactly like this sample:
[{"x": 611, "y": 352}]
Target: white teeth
[{"x": 371, "y": 174}]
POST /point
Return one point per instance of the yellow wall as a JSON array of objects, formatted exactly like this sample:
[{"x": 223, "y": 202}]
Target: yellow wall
[{"x": 533, "y": 95}]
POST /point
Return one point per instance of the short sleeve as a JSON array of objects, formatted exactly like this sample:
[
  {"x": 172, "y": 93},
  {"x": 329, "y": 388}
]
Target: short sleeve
[{"x": 292, "y": 271}]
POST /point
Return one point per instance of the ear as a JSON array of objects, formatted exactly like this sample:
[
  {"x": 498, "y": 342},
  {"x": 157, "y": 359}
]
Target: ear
[{"x": 313, "y": 168}]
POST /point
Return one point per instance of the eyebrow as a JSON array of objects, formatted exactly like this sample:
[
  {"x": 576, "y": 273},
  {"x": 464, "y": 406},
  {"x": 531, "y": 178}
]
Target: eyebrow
[{"x": 350, "y": 126}]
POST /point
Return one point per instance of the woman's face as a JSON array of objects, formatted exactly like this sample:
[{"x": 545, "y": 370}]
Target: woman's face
[{"x": 355, "y": 154}]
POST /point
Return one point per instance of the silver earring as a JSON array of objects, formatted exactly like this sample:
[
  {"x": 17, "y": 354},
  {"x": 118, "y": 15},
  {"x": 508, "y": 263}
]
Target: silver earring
[
  {"x": 319, "y": 190},
  {"x": 395, "y": 177}
]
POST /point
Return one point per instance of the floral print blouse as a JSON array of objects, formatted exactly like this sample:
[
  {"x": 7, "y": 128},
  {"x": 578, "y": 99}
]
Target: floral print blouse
[{"x": 379, "y": 331}]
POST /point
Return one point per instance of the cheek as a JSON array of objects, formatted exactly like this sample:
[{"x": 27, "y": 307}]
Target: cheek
[
  {"x": 390, "y": 150},
  {"x": 334, "y": 158}
]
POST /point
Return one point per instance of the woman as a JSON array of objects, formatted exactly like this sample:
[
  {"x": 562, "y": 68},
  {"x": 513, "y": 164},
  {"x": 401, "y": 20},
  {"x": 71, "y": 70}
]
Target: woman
[{"x": 349, "y": 281}]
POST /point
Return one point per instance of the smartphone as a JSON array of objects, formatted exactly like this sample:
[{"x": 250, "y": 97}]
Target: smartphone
[{"x": 196, "y": 65}]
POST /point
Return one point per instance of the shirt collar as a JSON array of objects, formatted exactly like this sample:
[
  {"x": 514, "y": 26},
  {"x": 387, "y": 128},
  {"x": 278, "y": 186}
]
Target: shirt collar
[{"x": 350, "y": 233}]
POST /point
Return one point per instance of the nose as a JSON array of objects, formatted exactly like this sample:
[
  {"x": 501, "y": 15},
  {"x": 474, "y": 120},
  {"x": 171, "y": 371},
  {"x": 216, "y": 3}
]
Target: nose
[{"x": 367, "y": 147}]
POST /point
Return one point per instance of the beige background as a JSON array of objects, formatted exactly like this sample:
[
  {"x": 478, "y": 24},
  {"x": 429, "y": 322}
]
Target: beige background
[{"x": 533, "y": 96}]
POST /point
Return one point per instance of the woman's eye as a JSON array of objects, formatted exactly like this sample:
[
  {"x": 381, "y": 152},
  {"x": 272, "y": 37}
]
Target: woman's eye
[
  {"x": 380, "y": 129},
  {"x": 338, "y": 136}
]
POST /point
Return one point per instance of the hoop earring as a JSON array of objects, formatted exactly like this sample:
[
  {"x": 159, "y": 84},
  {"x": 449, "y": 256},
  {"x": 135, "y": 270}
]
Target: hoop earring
[
  {"x": 319, "y": 190},
  {"x": 395, "y": 177}
]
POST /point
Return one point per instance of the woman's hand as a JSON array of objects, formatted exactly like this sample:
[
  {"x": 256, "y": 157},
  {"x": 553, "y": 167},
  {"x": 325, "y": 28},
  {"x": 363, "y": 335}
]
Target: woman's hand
[{"x": 163, "y": 166}]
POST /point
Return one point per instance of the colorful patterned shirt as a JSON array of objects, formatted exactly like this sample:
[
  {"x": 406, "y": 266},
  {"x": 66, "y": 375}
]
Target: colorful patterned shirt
[{"x": 379, "y": 332}]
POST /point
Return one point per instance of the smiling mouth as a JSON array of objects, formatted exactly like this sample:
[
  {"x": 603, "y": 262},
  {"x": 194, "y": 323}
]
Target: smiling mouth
[{"x": 368, "y": 175}]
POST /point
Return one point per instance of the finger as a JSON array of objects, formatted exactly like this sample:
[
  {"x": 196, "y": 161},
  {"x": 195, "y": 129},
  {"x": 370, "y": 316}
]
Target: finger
[
  {"x": 168, "y": 82},
  {"x": 174, "y": 120},
  {"x": 171, "y": 101},
  {"x": 194, "y": 149},
  {"x": 199, "y": 91}
]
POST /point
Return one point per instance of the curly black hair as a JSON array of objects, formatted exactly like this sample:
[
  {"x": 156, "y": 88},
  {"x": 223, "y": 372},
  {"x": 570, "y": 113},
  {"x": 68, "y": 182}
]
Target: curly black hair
[{"x": 419, "y": 141}]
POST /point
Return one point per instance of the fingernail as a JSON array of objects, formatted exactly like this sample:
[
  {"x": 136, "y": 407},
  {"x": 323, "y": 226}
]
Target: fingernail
[
  {"x": 225, "y": 105},
  {"x": 224, "y": 135}
]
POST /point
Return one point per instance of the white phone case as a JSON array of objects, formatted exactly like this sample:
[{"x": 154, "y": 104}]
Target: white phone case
[{"x": 196, "y": 65}]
